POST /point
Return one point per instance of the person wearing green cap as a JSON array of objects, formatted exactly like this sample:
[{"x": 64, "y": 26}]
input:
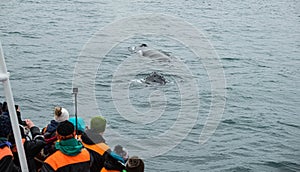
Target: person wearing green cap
[
  {"x": 93, "y": 141},
  {"x": 98, "y": 124}
]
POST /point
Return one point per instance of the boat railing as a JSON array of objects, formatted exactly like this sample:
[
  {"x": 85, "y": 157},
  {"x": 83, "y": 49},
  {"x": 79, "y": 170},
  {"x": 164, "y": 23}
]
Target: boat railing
[{"x": 4, "y": 78}]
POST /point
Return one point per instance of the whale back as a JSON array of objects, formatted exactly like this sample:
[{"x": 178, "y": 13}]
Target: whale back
[{"x": 155, "y": 78}]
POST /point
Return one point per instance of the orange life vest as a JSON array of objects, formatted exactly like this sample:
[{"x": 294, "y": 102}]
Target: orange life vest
[
  {"x": 5, "y": 151},
  {"x": 14, "y": 148},
  {"x": 100, "y": 148},
  {"x": 105, "y": 170},
  {"x": 58, "y": 159}
]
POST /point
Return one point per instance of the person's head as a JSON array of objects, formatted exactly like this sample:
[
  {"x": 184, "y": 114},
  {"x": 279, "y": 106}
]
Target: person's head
[
  {"x": 65, "y": 130},
  {"x": 135, "y": 164},
  {"x": 4, "y": 107},
  {"x": 17, "y": 107},
  {"x": 118, "y": 149},
  {"x": 80, "y": 124},
  {"x": 5, "y": 124},
  {"x": 60, "y": 114},
  {"x": 98, "y": 124}
]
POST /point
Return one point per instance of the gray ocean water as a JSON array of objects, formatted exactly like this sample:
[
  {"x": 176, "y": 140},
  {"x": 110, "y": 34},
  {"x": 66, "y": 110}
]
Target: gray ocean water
[{"x": 258, "y": 45}]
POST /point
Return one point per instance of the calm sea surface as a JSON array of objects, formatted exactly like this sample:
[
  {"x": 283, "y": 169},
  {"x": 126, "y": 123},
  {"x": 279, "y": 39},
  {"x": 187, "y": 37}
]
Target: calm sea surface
[{"x": 258, "y": 45}]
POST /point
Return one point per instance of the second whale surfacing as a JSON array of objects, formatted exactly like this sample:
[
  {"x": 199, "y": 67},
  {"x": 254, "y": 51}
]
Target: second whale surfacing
[{"x": 155, "y": 78}]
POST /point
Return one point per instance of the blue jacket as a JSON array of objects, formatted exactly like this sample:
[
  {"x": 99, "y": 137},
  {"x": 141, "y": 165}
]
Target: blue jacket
[{"x": 51, "y": 128}]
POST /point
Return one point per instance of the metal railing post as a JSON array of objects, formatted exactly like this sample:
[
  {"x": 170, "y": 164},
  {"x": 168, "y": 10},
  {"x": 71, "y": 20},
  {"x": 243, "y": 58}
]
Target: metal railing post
[{"x": 4, "y": 77}]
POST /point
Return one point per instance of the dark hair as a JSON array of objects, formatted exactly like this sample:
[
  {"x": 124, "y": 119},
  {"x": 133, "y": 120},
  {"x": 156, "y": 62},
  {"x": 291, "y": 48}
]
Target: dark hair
[
  {"x": 4, "y": 107},
  {"x": 65, "y": 128},
  {"x": 17, "y": 107},
  {"x": 135, "y": 164}
]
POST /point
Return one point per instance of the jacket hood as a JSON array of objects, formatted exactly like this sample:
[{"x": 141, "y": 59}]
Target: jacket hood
[{"x": 70, "y": 147}]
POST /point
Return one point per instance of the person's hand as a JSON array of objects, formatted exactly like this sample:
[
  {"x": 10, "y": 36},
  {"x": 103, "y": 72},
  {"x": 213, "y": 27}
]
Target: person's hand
[{"x": 29, "y": 123}]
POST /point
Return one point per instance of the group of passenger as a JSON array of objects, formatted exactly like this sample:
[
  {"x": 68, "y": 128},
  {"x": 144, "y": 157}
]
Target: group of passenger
[{"x": 62, "y": 146}]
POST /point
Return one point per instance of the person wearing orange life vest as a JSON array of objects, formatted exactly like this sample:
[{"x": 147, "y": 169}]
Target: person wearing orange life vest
[
  {"x": 6, "y": 156},
  {"x": 70, "y": 156},
  {"x": 104, "y": 159}
]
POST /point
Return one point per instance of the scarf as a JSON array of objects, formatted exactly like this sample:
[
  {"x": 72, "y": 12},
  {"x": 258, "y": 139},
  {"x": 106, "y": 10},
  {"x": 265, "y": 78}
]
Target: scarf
[{"x": 70, "y": 147}]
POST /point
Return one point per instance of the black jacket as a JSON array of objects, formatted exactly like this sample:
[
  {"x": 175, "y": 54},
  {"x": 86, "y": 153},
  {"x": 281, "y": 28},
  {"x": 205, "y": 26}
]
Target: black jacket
[
  {"x": 32, "y": 148},
  {"x": 100, "y": 160}
]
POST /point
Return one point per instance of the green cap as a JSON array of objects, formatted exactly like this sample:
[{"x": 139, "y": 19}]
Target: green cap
[{"x": 98, "y": 124}]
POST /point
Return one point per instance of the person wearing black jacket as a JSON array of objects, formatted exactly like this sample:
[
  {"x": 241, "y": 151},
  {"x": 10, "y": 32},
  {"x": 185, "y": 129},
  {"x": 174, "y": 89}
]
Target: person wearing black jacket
[
  {"x": 32, "y": 145},
  {"x": 93, "y": 141}
]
